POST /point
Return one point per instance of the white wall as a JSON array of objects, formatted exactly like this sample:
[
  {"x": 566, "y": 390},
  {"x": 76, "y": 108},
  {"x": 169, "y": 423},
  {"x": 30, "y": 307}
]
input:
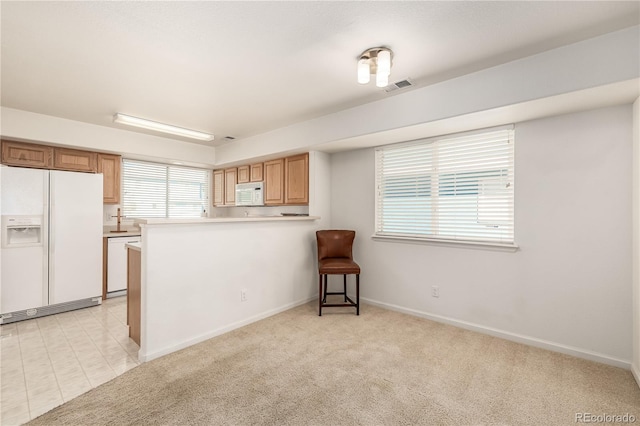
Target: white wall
[
  {"x": 567, "y": 288},
  {"x": 320, "y": 186},
  {"x": 29, "y": 126},
  {"x": 192, "y": 276},
  {"x": 599, "y": 61},
  {"x": 635, "y": 361}
]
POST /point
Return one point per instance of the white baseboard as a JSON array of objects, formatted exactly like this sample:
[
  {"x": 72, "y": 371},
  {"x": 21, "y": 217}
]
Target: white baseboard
[
  {"x": 519, "y": 338},
  {"x": 221, "y": 330},
  {"x": 636, "y": 373}
]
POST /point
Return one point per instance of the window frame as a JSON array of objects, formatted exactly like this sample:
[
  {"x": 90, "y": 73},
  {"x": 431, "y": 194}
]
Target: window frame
[
  {"x": 438, "y": 190},
  {"x": 168, "y": 200}
]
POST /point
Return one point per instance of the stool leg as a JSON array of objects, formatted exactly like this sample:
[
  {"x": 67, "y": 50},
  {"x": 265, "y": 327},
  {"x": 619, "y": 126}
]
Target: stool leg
[
  {"x": 326, "y": 284},
  {"x": 320, "y": 296},
  {"x": 345, "y": 288},
  {"x": 357, "y": 294}
]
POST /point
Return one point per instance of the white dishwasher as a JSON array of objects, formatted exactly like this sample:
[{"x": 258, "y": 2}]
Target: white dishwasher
[{"x": 117, "y": 265}]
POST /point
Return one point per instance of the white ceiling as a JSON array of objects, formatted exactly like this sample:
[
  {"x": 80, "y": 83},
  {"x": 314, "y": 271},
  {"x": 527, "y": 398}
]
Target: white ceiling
[{"x": 244, "y": 68}]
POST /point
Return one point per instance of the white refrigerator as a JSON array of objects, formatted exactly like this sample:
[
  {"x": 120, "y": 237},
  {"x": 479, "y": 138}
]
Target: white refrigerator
[{"x": 51, "y": 253}]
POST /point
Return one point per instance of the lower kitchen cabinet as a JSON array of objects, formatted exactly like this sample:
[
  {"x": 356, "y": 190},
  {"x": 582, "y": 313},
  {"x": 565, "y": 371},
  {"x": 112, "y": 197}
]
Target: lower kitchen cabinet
[
  {"x": 134, "y": 293},
  {"x": 114, "y": 275}
]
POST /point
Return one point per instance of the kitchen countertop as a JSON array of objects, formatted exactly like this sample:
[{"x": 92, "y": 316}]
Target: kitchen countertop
[
  {"x": 130, "y": 233},
  {"x": 213, "y": 220},
  {"x": 133, "y": 246}
]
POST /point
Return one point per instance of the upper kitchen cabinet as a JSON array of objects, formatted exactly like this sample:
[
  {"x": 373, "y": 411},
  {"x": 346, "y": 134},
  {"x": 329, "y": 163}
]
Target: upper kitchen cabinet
[
  {"x": 218, "y": 187},
  {"x": 27, "y": 155},
  {"x": 250, "y": 173},
  {"x": 230, "y": 180},
  {"x": 75, "y": 160},
  {"x": 256, "y": 172},
  {"x": 286, "y": 181},
  {"x": 296, "y": 179},
  {"x": 109, "y": 166},
  {"x": 243, "y": 174},
  {"x": 274, "y": 182}
]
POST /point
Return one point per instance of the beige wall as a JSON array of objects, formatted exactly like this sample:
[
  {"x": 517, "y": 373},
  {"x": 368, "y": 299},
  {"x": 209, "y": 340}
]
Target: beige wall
[{"x": 568, "y": 286}]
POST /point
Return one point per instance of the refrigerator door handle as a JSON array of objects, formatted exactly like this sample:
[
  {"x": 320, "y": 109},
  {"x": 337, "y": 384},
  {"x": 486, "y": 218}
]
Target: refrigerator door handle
[
  {"x": 46, "y": 238},
  {"x": 50, "y": 208}
]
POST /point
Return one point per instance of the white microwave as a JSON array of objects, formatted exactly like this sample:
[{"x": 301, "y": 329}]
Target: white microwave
[{"x": 249, "y": 194}]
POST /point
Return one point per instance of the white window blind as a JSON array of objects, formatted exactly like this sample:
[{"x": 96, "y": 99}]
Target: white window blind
[
  {"x": 154, "y": 190},
  {"x": 454, "y": 188}
]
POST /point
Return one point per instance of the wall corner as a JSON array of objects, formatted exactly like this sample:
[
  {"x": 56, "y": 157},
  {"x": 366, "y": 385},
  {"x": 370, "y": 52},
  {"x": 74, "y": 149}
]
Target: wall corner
[{"x": 635, "y": 358}]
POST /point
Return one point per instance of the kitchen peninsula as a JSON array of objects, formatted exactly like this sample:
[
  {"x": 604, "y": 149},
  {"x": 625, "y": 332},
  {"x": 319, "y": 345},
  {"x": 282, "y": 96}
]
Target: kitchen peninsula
[{"x": 203, "y": 277}]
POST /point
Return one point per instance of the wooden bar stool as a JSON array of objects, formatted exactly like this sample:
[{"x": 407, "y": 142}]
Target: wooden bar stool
[{"x": 335, "y": 257}]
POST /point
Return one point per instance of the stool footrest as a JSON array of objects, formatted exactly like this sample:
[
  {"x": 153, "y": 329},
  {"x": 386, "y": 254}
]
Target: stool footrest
[{"x": 335, "y": 305}]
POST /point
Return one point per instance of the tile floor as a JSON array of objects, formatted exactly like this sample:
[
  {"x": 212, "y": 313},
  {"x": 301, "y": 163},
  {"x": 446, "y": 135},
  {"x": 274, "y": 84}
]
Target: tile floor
[{"x": 47, "y": 361}]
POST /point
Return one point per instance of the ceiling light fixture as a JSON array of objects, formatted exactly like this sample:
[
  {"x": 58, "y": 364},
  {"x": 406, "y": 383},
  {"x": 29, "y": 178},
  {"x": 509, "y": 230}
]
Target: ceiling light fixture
[
  {"x": 161, "y": 127},
  {"x": 375, "y": 61}
]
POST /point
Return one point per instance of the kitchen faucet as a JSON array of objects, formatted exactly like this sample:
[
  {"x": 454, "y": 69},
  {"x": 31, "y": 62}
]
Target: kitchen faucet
[{"x": 119, "y": 220}]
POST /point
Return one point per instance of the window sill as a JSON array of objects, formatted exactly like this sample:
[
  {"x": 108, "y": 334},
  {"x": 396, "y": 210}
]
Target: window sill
[{"x": 478, "y": 245}]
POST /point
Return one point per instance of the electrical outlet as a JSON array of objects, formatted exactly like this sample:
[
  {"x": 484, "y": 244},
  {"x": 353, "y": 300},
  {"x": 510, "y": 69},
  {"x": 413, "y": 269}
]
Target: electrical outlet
[
  {"x": 435, "y": 291},
  {"x": 243, "y": 295}
]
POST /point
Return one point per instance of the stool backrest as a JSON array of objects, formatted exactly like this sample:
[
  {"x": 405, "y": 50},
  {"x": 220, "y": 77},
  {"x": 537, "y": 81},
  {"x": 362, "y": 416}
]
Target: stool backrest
[{"x": 335, "y": 243}]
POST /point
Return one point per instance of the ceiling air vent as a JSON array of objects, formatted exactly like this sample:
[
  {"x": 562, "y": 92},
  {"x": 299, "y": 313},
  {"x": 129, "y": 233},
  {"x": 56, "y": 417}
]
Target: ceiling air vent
[{"x": 398, "y": 85}]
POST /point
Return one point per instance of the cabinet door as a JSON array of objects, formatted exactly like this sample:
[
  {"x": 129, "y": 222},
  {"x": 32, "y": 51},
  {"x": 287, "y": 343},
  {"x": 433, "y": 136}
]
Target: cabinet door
[
  {"x": 256, "y": 172},
  {"x": 105, "y": 251},
  {"x": 117, "y": 262},
  {"x": 230, "y": 179},
  {"x": 274, "y": 182},
  {"x": 218, "y": 187},
  {"x": 75, "y": 160},
  {"x": 27, "y": 155},
  {"x": 243, "y": 174},
  {"x": 109, "y": 166},
  {"x": 296, "y": 179},
  {"x": 134, "y": 293}
]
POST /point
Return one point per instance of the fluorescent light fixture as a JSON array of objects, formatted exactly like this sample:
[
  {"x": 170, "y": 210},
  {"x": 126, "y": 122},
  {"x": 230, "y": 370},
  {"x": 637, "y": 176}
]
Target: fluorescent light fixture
[{"x": 161, "y": 127}]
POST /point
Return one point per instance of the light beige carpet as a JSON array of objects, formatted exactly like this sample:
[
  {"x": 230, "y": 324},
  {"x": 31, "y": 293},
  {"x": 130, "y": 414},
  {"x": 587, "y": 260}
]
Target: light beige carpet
[{"x": 381, "y": 368}]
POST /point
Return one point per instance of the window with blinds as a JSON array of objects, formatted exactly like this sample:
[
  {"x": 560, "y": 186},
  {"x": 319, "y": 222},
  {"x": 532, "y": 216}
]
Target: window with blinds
[
  {"x": 152, "y": 190},
  {"x": 452, "y": 188}
]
